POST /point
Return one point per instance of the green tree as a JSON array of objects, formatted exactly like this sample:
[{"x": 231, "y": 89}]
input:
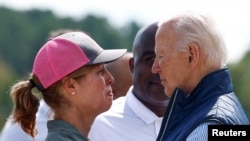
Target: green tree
[
  {"x": 7, "y": 77},
  {"x": 241, "y": 79}
]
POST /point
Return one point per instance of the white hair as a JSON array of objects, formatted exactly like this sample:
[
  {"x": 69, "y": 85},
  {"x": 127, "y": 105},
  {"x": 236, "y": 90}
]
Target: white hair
[{"x": 203, "y": 31}]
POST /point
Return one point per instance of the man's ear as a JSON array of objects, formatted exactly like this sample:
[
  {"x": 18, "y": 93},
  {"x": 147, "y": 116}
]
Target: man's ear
[
  {"x": 194, "y": 55},
  {"x": 131, "y": 64}
]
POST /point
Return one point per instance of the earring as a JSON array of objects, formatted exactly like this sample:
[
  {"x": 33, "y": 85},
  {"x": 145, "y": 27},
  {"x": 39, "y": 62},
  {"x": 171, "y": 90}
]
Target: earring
[{"x": 73, "y": 93}]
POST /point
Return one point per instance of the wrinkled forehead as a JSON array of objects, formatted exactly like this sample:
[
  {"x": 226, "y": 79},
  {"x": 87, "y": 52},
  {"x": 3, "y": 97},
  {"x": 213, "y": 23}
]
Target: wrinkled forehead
[
  {"x": 165, "y": 41},
  {"x": 165, "y": 30},
  {"x": 165, "y": 37}
]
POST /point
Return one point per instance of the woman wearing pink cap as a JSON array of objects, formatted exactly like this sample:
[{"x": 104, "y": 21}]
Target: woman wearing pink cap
[{"x": 70, "y": 73}]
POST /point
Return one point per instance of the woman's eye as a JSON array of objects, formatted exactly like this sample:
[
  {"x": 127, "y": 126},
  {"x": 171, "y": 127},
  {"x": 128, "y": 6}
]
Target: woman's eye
[{"x": 101, "y": 72}]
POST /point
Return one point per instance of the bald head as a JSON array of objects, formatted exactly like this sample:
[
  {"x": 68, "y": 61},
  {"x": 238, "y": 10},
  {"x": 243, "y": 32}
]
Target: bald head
[
  {"x": 122, "y": 75},
  {"x": 144, "y": 38}
]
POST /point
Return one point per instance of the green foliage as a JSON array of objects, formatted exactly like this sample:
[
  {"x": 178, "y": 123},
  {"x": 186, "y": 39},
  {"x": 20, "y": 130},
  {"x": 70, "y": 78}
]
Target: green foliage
[
  {"x": 241, "y": 79},
  {"x": 23, "y": 33},
  {"x": 7, "y": 77}
]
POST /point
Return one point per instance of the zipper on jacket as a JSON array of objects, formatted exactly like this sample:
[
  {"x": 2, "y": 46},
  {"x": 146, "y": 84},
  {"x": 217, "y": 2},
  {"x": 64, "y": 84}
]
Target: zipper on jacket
[{"x": 170, "y": 112}]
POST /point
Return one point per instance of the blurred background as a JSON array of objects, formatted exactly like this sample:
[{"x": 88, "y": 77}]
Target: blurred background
[{"x": 25, "y": 26}]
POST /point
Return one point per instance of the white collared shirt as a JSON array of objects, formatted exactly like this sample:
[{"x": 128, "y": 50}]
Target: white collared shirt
[{"x": 127, "y": 120}]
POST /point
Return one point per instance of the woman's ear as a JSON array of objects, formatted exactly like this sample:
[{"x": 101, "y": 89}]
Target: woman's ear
[
  {"x": 194, "y": 55},
  {"x": 69, "y": 85}
]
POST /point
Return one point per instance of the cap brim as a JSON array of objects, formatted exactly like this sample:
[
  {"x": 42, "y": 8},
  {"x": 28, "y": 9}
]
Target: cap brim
[{"x": 107, "y": 56}]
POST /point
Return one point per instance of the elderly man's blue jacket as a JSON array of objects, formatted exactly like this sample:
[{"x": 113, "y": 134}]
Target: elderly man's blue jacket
[{"x": 212, "y": 100}]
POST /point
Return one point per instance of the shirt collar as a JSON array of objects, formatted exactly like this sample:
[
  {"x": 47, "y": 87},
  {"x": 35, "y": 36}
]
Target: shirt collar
[{"x": 140, "y": 109}]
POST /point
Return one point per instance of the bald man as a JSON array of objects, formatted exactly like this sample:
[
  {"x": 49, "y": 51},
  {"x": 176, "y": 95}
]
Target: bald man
[
  {"x": 122, "y": 75},
  {"x": 138, "y": 115}
]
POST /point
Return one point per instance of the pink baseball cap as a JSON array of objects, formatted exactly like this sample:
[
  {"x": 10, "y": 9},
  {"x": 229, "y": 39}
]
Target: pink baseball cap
[{"x": 68, "y": 52}]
